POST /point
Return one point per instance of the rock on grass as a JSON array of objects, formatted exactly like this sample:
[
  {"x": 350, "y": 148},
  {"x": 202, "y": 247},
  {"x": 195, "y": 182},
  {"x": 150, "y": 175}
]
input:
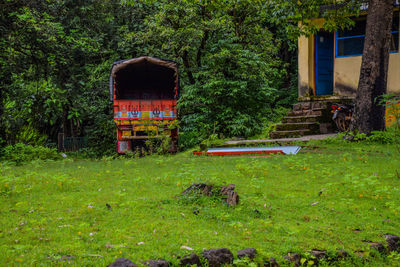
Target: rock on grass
[
  {"x": 218, "y": 257},
  {"x": 122, "y": 262},
  {"x": 191, "y": 259},
  {"x": 393, "y": 242}
]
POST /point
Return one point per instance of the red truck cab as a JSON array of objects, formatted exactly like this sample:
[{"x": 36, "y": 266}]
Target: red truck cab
[{"x": 144, "y": 92}]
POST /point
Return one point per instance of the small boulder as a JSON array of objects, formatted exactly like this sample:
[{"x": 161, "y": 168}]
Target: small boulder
[
  {"x": 247, "y": 252},
  {"x": 207, "y": 190},
  {"x": 233, "y": 199},
  {"x": 393, "y": 242},
  {"x": 218, "y": 257},
  {"x": 200, "y": 187},
  {"x": 156, "y": 263},
  {"x": 191, "y": 259},
  {"x": 122, "y": 262},
  {"x": 226, "y": 189}
]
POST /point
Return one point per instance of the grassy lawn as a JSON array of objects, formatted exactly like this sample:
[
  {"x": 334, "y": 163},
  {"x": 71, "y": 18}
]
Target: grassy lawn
[{"x": 328, "y": 198}]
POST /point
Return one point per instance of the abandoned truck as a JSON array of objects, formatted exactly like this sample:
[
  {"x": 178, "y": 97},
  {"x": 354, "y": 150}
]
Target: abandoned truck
[{"x": 144, "y": 92}]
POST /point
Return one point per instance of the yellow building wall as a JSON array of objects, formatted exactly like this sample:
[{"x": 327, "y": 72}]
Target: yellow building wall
[
  {"x": 347, "y": 74},
  {"x": 303, "y": 68},
  {"x": 394, "y": 73}
]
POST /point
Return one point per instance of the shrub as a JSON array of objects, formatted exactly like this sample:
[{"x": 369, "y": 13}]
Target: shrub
[
  {"x": 385, "y": 137},
  {"x": 20, "y": 153},
  {"x": 188, "y": 140},
  {"x": 29, "y": 135}
]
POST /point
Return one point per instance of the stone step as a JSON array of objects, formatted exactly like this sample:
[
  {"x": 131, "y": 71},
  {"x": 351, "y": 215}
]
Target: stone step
[
  {"x": 310, "y": 105},
  {"x": 312, "y": 126},
  {"x": 292, "y": 133},
  {"x": 316, "y": 112},
  {"x": 294, "y": 119}
]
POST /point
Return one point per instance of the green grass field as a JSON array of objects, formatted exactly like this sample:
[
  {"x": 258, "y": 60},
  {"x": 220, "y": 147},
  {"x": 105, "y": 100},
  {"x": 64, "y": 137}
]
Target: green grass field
[{"x": 330, "y": 197}]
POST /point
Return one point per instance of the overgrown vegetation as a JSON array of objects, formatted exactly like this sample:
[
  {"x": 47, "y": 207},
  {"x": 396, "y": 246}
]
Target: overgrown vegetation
[
  {"x": 20, "y": 153},
  {"x": 326, "y": 197},
  {"x": 56, "y": 58}
]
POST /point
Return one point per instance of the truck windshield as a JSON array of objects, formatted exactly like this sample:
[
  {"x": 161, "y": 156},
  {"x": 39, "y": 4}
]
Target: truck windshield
[{"x": 145, "y": 80}]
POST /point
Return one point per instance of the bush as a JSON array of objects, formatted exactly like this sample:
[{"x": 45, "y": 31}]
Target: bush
[
  {"x": 20, "y": 153},
  {"x": 385, "y": 137},
  {"x": 232, "y": 94},
  {"x": 29, "y": 135},
  {"x": 389, "y": 136},
  {"x": 188, "y": 140}
]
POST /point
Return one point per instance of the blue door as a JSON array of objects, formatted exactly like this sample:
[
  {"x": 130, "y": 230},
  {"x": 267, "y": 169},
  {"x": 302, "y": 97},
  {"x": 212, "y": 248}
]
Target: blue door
[{"x": 324, "y": 63}]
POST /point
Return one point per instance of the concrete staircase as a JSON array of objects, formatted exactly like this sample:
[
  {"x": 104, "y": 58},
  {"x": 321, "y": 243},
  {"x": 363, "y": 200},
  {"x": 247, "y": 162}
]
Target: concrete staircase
[{"x": 306, "y": 118}]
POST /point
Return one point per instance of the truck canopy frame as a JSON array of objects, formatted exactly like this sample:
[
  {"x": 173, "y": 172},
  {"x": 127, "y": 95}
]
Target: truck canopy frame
[{"x": 144, "y": 78}]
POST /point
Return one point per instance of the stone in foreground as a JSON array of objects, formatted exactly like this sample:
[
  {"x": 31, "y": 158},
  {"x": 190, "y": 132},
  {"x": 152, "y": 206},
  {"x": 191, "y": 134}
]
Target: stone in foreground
[
  {"x": 393, "y": 242},
  {"x": 122, "y": 262},
  {"x": 218, "y": 257},
  {"x": 190, "y": 260}
]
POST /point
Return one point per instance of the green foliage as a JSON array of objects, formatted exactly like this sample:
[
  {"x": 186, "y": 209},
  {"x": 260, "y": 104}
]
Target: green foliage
[
  {"x": 237, "y": 65},
  {"x": 233, "y": 92},
  {"x": 188, "y": 139},
  {"x": 244, "y": 262},
  {"x": 335, "y": 15},
  {"x": 30, "y": 135},
  {"x": 230, "y": 64},
  {"x": 21, "y": 153},
  {"x": 158, "y": 146},
  {"x": 57, "y": 58},
  {"x": 387, "y": 137},
  {"x": 390, "y": 136}
]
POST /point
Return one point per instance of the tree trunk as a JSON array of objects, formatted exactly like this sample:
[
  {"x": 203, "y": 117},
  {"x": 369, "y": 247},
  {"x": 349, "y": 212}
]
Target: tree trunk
[
  {"x": 2, "y": 130},
  {"x": 185, "y": 59},
  {"x": 201, "y": 48},
  {"x": 368, "y": 113}
]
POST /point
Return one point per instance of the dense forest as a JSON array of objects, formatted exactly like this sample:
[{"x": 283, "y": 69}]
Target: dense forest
[{"x": 237, "y": 63}]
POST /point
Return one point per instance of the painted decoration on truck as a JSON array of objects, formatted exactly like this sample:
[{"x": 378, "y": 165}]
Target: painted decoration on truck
[{"x": 144, "y": 114}]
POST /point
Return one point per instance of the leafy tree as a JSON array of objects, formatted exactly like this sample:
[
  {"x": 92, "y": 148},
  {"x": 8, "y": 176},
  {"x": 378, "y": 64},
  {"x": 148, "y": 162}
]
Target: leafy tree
[
  {"x": 56, "y": 56},
  {"x": 48, "y": 50},
  {"x": 231, "y": 65}
]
